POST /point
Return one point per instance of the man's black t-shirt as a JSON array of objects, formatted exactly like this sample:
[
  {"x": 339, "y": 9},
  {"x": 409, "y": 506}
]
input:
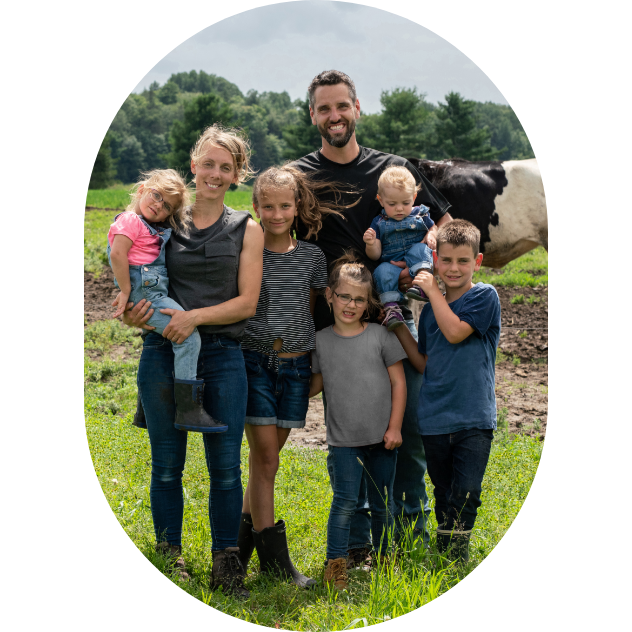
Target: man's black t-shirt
[{"x": 359, "y": 178}]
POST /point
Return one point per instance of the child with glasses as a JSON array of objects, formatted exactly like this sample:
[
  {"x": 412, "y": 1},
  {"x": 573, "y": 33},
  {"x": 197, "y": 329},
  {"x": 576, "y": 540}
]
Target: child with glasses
[
  {"x": 136, "y": 252},
  {"x": 397, "y": 235},
  {"x": 276, "y": 346},
  {"x": 359, "y": 366}
]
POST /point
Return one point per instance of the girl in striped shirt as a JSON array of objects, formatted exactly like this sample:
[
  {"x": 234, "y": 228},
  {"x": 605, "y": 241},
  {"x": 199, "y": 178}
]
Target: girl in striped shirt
[{"x": 276, "y": 345}]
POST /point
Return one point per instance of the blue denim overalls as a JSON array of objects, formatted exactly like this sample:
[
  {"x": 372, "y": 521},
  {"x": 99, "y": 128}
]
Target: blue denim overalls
[
  {"x": 151, "y": 282},
  {"x": 401, "y": 241}
]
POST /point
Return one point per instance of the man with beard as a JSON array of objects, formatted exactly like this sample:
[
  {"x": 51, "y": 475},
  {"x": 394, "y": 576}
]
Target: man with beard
[{"x": 334, "y": 109}]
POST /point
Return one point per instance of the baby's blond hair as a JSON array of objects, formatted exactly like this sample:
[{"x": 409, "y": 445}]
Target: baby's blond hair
[
  {"x": 398, "y": 177},
  {"x": 166, "y": 182}
]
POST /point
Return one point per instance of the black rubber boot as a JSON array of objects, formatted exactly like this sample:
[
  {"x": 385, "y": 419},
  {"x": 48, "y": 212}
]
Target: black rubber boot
[
  {"x": 190, "y": 413},
  {"x": 139, "y": 415},
  {"x": 228, "y": 573},
  {"x": 455, "y": 544},
  {"x": 274, "y": 556},
  {"x": 245, "y": 540}
]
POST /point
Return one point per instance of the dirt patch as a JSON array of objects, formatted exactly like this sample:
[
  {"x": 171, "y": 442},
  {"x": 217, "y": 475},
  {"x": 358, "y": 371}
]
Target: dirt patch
[
  {"x": 98, "y": 294},
  {"x": 521, "y": 373}
]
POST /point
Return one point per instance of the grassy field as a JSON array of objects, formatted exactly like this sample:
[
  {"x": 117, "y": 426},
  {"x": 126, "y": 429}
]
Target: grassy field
[
  {"x": 121, "y": 457},
  {"x": 117, "y": 197},
  {"x": 530, "y": 270}
]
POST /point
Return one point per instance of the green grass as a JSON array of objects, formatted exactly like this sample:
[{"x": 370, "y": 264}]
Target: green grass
[
  {"x": 121, "y": 458},
  {"x": 117, "y": 197},
  {"x": 530, "y": 270}
]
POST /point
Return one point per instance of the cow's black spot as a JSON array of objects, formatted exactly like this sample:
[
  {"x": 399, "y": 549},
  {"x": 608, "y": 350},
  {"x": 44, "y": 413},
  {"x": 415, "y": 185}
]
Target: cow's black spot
[{"x": 470, "y": 187}]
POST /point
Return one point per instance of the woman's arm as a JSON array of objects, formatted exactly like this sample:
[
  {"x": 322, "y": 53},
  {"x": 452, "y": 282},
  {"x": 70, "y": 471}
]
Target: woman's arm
[
  {"x": 418, "y": 360},
  {"x": 242, "y": 306},
  {"x": 393, "y": 435}
]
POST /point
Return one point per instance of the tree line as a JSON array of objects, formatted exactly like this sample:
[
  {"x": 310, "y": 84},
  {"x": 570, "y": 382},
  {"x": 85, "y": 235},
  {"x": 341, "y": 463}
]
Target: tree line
[{"x": 157, "y": 128}]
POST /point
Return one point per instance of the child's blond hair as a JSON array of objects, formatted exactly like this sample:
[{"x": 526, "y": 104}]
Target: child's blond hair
[
  {"x": 166, "y": 182},
  {"x": 307, "y": 189},
  {"x": 350, "y": 268},
  {"x": 398, "y": 177},
  {"x": 233, "y": 140}
]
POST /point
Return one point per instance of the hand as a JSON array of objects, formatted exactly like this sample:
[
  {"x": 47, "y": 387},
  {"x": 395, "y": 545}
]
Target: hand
[
  {"x": 426, "y": 281},
  {"x": 405, "y": 280},
  {"x": 120, "y": 302},
  {"x": 369, "y": 237},
  {"x": 431, "y": 239},
  {"x": 138, "y": 315},
  {"x": 392, "y": 439},
  {"x": 180, "y": 326}
]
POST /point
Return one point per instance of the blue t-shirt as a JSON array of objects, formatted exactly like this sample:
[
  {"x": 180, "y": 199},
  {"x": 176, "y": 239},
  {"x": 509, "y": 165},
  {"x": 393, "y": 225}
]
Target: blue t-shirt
[{"x": 458, "y": 387}]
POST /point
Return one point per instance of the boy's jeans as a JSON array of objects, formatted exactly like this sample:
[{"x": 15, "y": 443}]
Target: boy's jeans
[
  {"x": 410, "y": 498},
  {"x": 456, "y": 465},
  {"x": 346, "y": 476},
  {"x": 386, "y": 275}
]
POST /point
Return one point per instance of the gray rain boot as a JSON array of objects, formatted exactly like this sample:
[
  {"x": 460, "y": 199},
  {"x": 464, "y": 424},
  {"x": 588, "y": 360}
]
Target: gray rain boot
[
  {"x": 190, "y": 413},
  {"x": 274, "y": 556},
  {"x": 245, "y": 540}
]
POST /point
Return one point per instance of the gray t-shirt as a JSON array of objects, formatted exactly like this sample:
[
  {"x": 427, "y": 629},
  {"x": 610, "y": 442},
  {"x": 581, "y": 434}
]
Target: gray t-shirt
[{"x": 357, "y": 384}]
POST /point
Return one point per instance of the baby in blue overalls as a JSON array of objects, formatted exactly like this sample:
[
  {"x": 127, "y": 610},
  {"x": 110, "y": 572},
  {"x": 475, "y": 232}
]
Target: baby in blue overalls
[
  {"x": 396, "y": 235},
  {"x": 136, "y": 252}
]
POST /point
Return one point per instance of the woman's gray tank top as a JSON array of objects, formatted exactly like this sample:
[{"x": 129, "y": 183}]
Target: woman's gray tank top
[{"x": 203, "y": 267}]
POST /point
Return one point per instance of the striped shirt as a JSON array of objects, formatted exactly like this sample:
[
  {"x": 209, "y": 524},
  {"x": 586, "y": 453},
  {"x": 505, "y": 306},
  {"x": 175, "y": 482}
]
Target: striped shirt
[{"x": 283, "y": 307}]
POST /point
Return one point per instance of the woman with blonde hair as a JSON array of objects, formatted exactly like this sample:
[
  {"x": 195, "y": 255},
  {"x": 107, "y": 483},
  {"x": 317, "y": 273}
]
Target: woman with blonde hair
[{"x": 215, "y": 271}]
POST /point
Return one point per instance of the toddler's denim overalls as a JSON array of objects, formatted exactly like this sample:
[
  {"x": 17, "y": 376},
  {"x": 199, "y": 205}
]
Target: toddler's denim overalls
[
  {"x": 151, "y": 282},
  {"x": 401, "y": 242}
]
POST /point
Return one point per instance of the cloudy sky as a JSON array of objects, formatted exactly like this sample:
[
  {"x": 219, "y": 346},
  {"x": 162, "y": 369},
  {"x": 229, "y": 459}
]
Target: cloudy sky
[{"x": 283, "y": 46}]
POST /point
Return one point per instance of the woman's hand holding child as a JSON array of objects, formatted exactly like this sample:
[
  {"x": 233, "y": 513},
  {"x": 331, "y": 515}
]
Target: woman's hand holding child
[
  {"x": 181, "y": 325},
  {"x": 138, "y": 315}
]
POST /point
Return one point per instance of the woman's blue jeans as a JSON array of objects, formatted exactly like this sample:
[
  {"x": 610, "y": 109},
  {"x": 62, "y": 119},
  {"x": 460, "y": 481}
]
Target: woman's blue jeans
[
  {"x": 346, "y": 476},
  {"x": 221, "y": 366}
]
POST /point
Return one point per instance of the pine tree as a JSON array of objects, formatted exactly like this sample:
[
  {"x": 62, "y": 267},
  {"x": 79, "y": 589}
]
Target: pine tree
[
  {"x": 456, "y": 135},
  {"x": 104, "y": 170}
]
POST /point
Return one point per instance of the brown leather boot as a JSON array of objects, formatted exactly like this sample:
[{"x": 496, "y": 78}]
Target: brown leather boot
[
  {"x": 176, "y": 562},
  {"x": 228, "y": 573},
  {"x": 336, "y": 573}
]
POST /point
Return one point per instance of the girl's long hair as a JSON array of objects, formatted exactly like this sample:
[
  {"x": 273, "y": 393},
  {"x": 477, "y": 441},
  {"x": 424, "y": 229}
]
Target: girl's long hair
[
  {"x": 311, "y": 210},
  {"x": 350, "y": 268}
]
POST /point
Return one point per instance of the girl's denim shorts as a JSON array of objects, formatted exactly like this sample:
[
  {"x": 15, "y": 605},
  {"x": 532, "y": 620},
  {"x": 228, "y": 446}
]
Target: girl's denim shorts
[{"x": 277, "y": 398}]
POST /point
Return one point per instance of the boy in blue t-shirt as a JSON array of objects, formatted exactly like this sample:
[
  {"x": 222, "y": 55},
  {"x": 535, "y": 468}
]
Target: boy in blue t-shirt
[{"x": 456, "y": 352}]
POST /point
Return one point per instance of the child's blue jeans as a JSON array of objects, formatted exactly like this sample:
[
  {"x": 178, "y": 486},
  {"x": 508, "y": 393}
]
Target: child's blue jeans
[
  {"x": 456, "y": 465},
  {"x": 346, "y": 466},
  {"x": 386, "y": 275},
  {"x": 151, "y": 283}
]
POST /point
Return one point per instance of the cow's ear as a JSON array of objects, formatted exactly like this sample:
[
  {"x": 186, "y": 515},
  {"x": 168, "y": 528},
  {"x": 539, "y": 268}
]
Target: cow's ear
[{"x": 479, "y": 262}]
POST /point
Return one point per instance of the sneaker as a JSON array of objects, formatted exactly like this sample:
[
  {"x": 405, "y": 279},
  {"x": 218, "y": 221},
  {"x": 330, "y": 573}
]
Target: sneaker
[
  {"x": 393, "y": 317},
  {"x": 416, "y": 293}
]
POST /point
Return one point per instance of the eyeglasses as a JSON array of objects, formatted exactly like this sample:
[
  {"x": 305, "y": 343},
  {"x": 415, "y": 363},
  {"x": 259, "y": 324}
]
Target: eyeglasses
[
  {"x": 345, "y": 299},
  {"x": 158, "y": 199}
]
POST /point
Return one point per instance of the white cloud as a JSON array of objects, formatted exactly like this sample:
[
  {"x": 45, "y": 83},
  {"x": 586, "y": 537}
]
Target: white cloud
[{"x": 283, "y": 46}]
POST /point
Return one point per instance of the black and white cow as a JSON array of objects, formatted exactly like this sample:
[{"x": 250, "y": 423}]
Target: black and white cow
[{"x": 504, "y": 200}]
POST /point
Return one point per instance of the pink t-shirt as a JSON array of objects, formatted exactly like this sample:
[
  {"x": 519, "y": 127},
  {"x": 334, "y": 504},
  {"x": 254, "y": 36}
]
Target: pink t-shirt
[{"x": 145, "y": 246}]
